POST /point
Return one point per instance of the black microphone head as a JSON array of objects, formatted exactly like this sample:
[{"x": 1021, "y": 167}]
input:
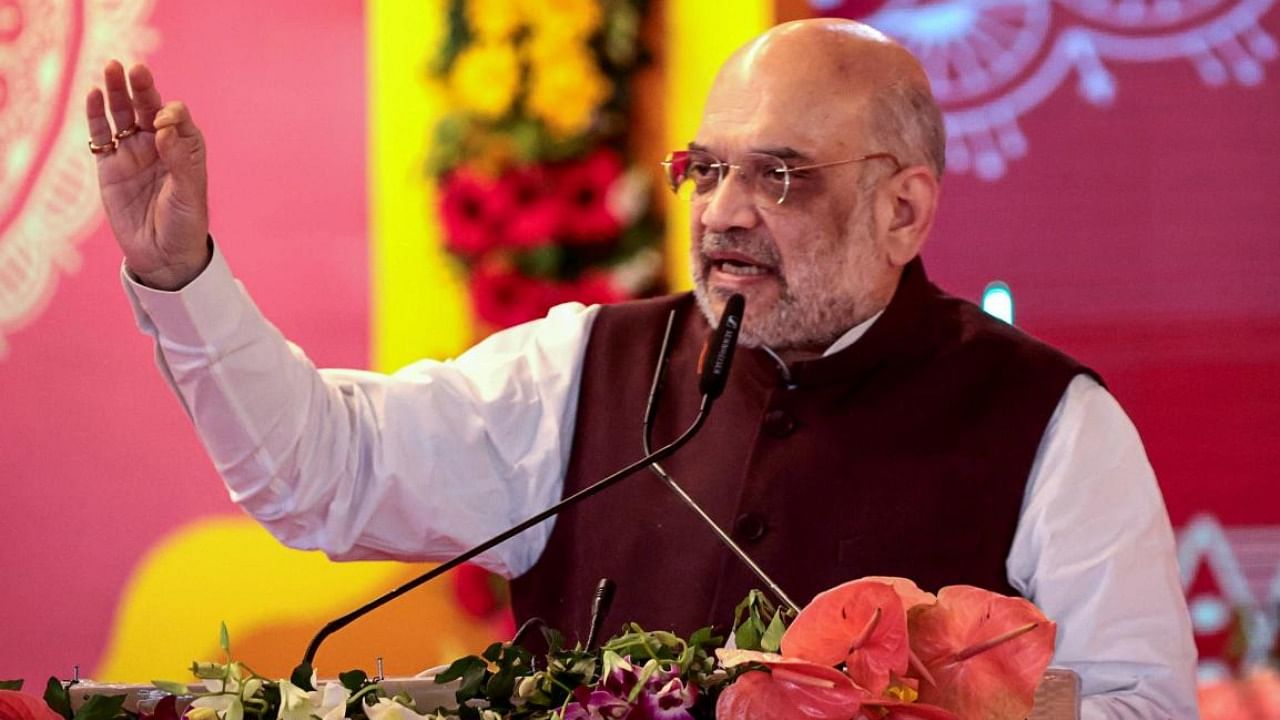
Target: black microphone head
[{"x": 718, "y": 353}]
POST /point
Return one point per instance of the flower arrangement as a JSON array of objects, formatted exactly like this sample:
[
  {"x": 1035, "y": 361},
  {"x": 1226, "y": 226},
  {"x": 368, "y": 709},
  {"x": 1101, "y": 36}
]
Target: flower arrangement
[
  {"x": 537, "y": 199},
  {"x": 870, "y": 649},
  {"x": 1255, "y": 693}
]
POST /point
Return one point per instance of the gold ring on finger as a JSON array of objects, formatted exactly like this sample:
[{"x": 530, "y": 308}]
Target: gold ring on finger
[
  {"x": 104, "y": 149},
  {"x": 122, "y": 134}
]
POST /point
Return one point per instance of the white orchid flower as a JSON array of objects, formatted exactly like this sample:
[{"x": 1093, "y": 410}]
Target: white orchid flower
[
  {"x": 229, "y": 693},
  {"x": 386, "y": 709},
  {"x": 327, "y": 703},
  {"x": 228, "y": 707}
]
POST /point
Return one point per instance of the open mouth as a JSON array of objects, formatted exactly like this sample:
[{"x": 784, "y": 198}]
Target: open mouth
[{"x": 738, "y": 265}]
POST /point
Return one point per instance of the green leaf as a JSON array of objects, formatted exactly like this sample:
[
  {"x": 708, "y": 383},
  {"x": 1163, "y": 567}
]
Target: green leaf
[
  {"x": 749, "y": 617},
  {"x": 353, "y": 680},
  {"x": 555, "y": 640},
  {"x": 771, "y": 641},
  {"x": 493, "y": 652},
  {"x": 58, "y": 698},
  {"x": 705, "y": 638},
  {"x": 171, "y": 687},
  {"x": 471, "y": 670},
  {"x": 101, "y": 707},
  {"x": 14, "y": 685},
  {"x": 301, "y": 676},
  {"x": 747, "y": 636},
  {"x": 224, "y": 638}
]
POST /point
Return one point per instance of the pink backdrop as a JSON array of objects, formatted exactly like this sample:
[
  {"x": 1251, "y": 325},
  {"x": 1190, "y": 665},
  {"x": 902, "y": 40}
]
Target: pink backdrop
[{"x": 97, "y": 460}]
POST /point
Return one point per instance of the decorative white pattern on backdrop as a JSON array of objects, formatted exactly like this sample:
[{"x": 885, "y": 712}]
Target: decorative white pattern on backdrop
[
  {"x": 993, "y": 61},
  {"x": 50, "y": 53}
]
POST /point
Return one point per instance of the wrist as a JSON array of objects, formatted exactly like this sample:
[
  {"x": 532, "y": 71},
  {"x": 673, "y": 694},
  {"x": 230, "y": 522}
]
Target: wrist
[{"x": 175, "y": 276}]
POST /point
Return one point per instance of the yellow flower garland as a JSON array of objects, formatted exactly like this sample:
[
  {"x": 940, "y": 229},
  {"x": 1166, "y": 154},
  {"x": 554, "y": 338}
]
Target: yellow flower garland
[{"x": 485, "y": 78}]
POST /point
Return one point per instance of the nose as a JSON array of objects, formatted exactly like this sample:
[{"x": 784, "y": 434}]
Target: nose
[{"x": 729, "y": 205}]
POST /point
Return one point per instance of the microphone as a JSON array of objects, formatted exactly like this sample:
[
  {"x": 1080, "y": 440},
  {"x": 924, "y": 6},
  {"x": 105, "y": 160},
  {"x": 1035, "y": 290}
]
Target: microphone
[
  {"x": 724, "y": 338},
  {"x": 711, "y": 383},
  {"x": 713, "y": 365},
  {"x": 600, "y": 609}
]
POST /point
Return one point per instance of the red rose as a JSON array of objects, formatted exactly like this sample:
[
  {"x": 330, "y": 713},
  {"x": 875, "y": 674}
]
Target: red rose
[
  {"x": 503, "y": 297},
  {"x": 584, "y": 191},
  {"x": 536, "y": 212},
  {"x": 594, "y": 287},
  {"x": 474, "y": 210}
]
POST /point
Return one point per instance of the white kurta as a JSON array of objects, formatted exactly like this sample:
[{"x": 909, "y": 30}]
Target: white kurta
[{"x": 435, "y": 458}]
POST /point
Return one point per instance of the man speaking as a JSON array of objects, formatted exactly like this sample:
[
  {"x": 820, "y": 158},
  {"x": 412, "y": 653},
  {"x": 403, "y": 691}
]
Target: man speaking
[{"x": 873, "y": 425}]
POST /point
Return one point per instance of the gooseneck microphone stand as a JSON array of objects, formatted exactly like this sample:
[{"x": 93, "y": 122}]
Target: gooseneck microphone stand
[
  {"x": 651, "y": 410},
  {"x": 719, "y": 352}
]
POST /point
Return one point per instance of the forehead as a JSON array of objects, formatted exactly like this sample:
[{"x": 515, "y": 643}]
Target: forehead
[{"x": 801, "y": 109}]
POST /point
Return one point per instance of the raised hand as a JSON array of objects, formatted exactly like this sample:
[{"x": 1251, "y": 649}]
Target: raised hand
[{"x": 151, "y": 172}]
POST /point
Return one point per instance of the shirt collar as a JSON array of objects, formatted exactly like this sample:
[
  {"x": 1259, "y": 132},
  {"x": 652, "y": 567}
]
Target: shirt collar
[{"x": 851, "y": 336}]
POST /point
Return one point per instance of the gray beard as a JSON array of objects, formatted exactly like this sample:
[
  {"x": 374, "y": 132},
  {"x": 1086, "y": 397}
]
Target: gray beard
[{"x": 808, "y": 313}]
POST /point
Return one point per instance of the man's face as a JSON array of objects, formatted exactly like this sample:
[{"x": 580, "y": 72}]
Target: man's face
[{"x": 809, "y": 268}]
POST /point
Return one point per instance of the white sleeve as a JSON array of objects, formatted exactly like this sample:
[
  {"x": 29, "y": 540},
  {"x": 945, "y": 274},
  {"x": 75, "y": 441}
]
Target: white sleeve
[
  {"x": 418, "y": 465},
  {"x": 1095, "y": 551}
]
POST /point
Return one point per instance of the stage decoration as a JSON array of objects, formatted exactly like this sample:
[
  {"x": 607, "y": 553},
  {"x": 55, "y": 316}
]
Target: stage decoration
[
  {"x": 50, "y": 51},
  {"x": 992, "y": 63},
  {"x": 1254, "y": 694},
  {"x": 539, "y": 202},
  {"x": 869, "y": 649}
]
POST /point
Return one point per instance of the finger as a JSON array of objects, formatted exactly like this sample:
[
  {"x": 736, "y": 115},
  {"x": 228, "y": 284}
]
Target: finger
[
  {"x": 118, "y": 96},
  {"x": 96, "y": 112},
  {"x": 181, "y": 146},
  {"x": 146, "y": 99},
  {"x": 176, "y": 115}
]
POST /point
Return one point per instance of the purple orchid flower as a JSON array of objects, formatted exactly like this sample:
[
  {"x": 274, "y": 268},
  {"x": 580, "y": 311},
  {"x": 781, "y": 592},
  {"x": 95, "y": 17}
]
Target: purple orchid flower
[
  {"x": 672, "y": 701},
  {"x": 596, "y": 705}
]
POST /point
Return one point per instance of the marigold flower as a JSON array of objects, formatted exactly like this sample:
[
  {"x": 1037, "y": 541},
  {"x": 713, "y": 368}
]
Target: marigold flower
[
  {"x": 485, "y": 78},
  {"x": 565, "y": 91},
  {"x": 565, "y": 19},
  {"x": 493, "y": 19}
]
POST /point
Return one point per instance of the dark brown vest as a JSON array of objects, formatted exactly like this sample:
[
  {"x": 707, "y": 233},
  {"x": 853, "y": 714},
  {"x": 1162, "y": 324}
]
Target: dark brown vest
[{"x": 905, "y": 454}]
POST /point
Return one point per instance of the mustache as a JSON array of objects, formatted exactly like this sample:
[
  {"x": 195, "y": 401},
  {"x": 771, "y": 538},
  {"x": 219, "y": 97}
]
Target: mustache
[{"x": 760, "y": 248}]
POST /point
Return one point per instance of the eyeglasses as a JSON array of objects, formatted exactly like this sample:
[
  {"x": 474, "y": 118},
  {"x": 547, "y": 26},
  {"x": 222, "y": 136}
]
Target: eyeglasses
[{"x": 767, "y": 177}]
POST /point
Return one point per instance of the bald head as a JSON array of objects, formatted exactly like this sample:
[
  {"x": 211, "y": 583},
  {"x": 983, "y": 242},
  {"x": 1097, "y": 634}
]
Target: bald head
[
  {"x": 819, "y": 245},
  {"x": 840, "y": 78}
]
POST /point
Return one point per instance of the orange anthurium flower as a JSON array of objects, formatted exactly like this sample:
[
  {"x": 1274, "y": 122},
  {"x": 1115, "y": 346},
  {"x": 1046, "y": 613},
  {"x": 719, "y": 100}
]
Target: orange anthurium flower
[
  {"x": 20, "y": 706},
  {"x": 894, "y": 710},
  {"x": 910, "y": 593},
  {"x": 760, "y": 695},
  {"x": 862, "y": 624},
  {"x": 795, "y": 670},
  {"x": 985, "y": 652}
]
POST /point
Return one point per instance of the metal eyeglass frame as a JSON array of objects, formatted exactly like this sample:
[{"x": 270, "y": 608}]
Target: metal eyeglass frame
[{"x": 722, "y": 167}]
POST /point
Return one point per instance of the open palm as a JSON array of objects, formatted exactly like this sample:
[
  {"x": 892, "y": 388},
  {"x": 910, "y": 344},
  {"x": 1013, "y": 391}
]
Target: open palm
[{"x": 154, "y": 183}]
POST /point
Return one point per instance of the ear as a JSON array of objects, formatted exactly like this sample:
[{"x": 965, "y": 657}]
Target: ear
[{"x": 911, "y": 197}]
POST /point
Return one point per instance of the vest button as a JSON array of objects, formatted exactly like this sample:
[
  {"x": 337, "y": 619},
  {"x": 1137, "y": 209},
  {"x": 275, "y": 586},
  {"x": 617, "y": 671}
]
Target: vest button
[
  {"x": 779, "y": 423},
  {"x": 750, "y": 527}
]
